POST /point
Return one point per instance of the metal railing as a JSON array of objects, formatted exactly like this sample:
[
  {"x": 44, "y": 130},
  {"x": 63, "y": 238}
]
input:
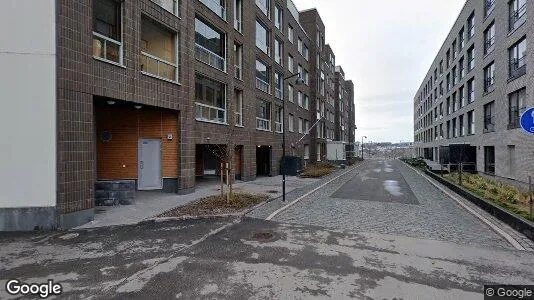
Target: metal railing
[
  {"x": 518, "y": 67},
  {"x": 263, "y": 124},
  {"x": 263, "y": 86},
  {"x": 107, "y": 48},
  {"x": 488, "y": 45},
  {"x": 210, "y": 113},
  {"x": 516, "y": 17},
  {"x": 210, "y": 58},
  {"x": 158, "y": 67},
  {"x": 216, "y": 7}
]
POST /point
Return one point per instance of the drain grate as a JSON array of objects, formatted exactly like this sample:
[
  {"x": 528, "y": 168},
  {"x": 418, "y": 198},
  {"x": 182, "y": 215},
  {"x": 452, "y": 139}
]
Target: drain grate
[
  {"x": 263, "y": 236},
  {"x": 272, "y": 192}
]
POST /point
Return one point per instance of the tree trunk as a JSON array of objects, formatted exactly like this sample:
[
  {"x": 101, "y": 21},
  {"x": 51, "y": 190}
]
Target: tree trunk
[{"x": 222, "y": 179}]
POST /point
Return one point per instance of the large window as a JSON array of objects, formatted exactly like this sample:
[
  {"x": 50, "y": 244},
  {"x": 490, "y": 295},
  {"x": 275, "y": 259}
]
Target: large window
[
  {"x": 516, "y": 101},
  {"x": 107, "y": 30},
  {"x": 263, "y": 116},
  {"x": 263, "y": 81},
  {"x": 461, "y": 67},
  {"x": 158, "y": 51},
  {"x": 169, "y": 5},
  {"x": 291, "y": 123},
  {"x": 278, "y": 85},
  {"x": 262, "y": 37},
  {"x": 489, "y": 117},
  {"x": 471, "y": 58},
  {"x": 291, "y": 64},
  {"x": 461, "y": 38},
  {"x": 209, "y": 45},
  {"x": 518, "y": 62},
  {"x": 471, "y": 91},
  {"x": 279, "y": 119},
  {"x": 518, "y": 10},
  {"x": 462, "y": 128},
  {"x": 238, "y": 94},
  {"x": 489, "y": 159},
  {"x": 238, "y": 15},
  {"x": 290, "y": 34},
  {"x": 264, "y": 6},
  {"x": 210, "y": 97},
  {"x": 278, "y": 17},
  {"x": 471, "y": 122},
  {"x": 471, "y": 25},
  {"x": 278, "y": 51},
  {"x": 238, "y": 60},
  {"x": 217, "y": 6},
  {"x": 489, "y": 77},
  {"x": 291, "y": 93},
  {"x": 489, "y": 38}
]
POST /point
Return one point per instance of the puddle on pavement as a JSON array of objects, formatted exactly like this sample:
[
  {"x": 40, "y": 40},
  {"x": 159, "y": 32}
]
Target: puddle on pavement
[{"x": 392, "y": 186}]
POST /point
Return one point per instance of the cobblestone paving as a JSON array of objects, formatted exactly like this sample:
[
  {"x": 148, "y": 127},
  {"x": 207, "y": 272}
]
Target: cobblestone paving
[{"x": 436, "y": 217}]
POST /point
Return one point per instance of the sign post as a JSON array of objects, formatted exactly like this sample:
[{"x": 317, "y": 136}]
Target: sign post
[{"x": 527, "y": 120}]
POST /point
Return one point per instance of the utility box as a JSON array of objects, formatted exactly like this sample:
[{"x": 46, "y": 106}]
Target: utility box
[
  {"x": 291, "y": 165},
  {"x": 336, "y": 151}
]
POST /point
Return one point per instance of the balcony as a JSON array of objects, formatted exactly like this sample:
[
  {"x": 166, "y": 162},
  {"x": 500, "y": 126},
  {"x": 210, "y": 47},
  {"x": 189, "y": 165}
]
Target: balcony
[
  {"x": 210, "y": 113},
  {"x": 216, "y": 7},
  {"x": 158, "y": 67},
  {"x": 107, "y": 49},
  {"x": 263, "y": 124},
  {"x": 206, "y": 56},
  {"x": 263, "y": 86},
  {"x": 518, "y": 17},
  {"x": 518, "y": 67}
]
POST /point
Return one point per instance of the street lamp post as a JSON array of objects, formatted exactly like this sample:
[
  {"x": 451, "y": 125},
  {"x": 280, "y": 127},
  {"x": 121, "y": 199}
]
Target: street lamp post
[
  {"x": 362, "y": 144},
  {"x": 298, "y": 81}
]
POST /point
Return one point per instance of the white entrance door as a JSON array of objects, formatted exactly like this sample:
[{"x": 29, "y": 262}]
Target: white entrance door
[{"x": 149, "y": 165}]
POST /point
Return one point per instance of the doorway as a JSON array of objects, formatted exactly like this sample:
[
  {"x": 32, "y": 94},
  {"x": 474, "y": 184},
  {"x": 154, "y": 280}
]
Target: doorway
[
  {"x": 149, "y": 165},
  {"x": 263, "y": 161}
]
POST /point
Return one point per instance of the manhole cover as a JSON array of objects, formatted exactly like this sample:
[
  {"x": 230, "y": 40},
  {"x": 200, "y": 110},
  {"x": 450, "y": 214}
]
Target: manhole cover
[
  {"x": 263, "y": 236},
  {"x": 272, "y": 192}
]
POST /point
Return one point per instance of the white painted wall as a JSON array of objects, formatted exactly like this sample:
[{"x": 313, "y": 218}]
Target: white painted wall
[{"x": 27, "y": 103}]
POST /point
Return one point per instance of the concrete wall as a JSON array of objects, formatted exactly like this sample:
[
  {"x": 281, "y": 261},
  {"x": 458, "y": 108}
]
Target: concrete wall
[{"x": 28, "y": 113}]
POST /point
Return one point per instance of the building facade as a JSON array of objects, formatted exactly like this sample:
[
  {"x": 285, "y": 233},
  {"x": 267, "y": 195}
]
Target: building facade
[
  {"x": 161, "y": 93},
  {"x": 469, "y": 105}
]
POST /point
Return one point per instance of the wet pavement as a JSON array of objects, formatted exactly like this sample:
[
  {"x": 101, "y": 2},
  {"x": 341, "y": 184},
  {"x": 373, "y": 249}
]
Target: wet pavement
[{"x": 254, "y": 259}]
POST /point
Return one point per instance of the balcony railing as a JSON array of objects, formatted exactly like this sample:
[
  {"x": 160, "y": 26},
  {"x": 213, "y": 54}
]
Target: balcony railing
[
  {"x": 488, "y": 83},
  {"x": 516, "y": 17},
  {"x": 278, "y": 93},
  {"x": 210, "y": 58},
  {"x": 263, "y": 86},
  {"x": 515, "y": 118},
  {"x": 158, "y": 67},
  {"x": 263, "y": 124},
  {"x": 210, "y": 113},
  {"x": 518, "y": 67},
  {"x": 278, "y": 127},
  {"x": 216, "y": 7},
  {"x": 106, "y": 48},
  {"x": 489, "y": 45}
]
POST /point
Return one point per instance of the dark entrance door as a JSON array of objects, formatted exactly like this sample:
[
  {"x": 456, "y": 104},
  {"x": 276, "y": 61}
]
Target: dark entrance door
[{"x": 263, "y": 161}]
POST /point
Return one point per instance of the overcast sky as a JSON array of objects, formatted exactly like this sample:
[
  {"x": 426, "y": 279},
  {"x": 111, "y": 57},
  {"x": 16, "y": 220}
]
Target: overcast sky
[{"x": 386, "y": 47}]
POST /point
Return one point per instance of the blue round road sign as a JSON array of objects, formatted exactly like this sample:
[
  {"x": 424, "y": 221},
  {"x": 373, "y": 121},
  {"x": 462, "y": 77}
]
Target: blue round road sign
[{"x": 527, "y": 120}]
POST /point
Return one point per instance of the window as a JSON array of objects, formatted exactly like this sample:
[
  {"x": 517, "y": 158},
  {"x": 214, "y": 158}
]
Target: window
[
  {"x": 454, "y": 50},
  {"x": 441, "y": 110},
  {"x": 448, "y": 82},
  {"x": 516, "y": 102},
  {"x": 454, "y": 76},
  {"x": 238, "y": 60},
  {"x": 306, "y": 52},
  {"x": 471, "y": 122},
  {"x": 441, "y": 67},
  {"x": 448, "y": 129},
  {"x": 461, "y": 38},
  {"x": 489, "y": 5},
  {"x": 306, "y": 126},
  {"x": 461, "y": 94},
  {"x": 158, "y": 51},
  {"x": 471, "y": 58},
  {"x": 263, "y": 82},
  {"x": 489, "y": 117},
  {"x": 291, "y": 120},
  {"x": 489, "y": 38},
  {"x": 306, "y": 102},
  {"x": 291, "y": 93},
  {"x": 290, "y": 34},
  {"x": 449, "y": 106},
  {"x": 263, "y": 116},
  {"x": 299, "y": 98},
  {"x": 210, "y": 97},
  {"x": 517, "y": 54},
  {"x": 518, "y": 10},
  {"x": 278, "y": 51},
  {"x": 454, "y": 102},
  {"x": 279, "y": 89},
  {"x": 300, "y": 125},
  {"x": 238, "y": 107},
  {"x": 169, "y": 5},
  {"x": 448, "y": 58},
  {"x": 264, "y": 6},
  {"x": 290, "y": 63},
  {"x": 210, "y": 45},
  {"x": 107, "y": 31},
  {"x": 306, "y": 151},
  {"x": 278, "y": 15},
  {"x": 305, "y": 76},
  {"x": 471, "y": 91},
  {"x": 461, "y": 121},
  {"x": 262, "y": 37},
  {"x": 471, "y": 25},
  {"x": 238, "y": 15},
  {"x": 461, "y": 66},
  {"x": 217, "y": 6},
  {"x": 299, "y": 45},
  {"x": 489, "y": 159},
  {"x": 489, "y": 77},
  {"x": 278, "y": 119},
  {"x": 454, "y": 128}
]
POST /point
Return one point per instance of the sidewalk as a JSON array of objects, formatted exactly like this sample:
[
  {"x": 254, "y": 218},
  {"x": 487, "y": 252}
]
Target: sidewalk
[{"x": 150, "y": 204}]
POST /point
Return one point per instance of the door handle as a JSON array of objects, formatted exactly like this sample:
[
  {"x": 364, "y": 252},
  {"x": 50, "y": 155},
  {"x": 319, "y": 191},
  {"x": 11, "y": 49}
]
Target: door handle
[{"x": 141, "y": 164}]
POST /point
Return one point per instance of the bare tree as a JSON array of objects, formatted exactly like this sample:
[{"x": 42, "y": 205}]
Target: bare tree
[{"x": 225, "y": 153}]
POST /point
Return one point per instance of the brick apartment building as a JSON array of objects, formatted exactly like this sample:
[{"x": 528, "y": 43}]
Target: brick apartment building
[
  {"x": 150, "y": 91},
  {"x": 478, "y": 86}
]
